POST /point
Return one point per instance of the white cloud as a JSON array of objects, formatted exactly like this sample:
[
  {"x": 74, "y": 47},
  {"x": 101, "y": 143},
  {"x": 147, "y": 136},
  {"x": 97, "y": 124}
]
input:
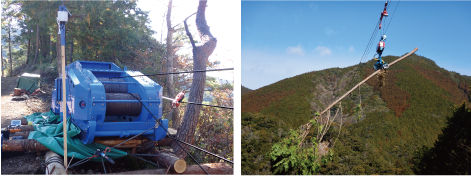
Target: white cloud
[
  {"x": 295, "y": 50},
  {"x": 329, "y": 31},
  {"x": 351, "y": 49},
  {"x": 323, "y": 51},
  {"x": 312, "y": 5},
  {"x": 258, "y": 68}
]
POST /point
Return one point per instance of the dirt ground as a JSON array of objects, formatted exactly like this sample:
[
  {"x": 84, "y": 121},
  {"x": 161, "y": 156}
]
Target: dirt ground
[
  {"x": 28, "y": 163},
  {"x": 12, "y": 109}
]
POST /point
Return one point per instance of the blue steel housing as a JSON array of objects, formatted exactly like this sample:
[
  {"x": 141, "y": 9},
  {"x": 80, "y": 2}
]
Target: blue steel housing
[{"x": 87, "y": 102}]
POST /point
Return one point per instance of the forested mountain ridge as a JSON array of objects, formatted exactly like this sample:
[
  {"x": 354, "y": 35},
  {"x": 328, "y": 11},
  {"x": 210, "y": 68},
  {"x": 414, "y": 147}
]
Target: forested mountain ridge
[
  {"x": 407, "y": 112},
  {"x": 245, "y": 90}
]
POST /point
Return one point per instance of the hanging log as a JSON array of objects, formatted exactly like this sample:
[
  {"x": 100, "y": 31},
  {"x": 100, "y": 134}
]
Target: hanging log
[
  {"x": 366, "y": 79},
  {"x": 169, "y": 160},
  {"x": 212, "y": 168},
  {"x": 308, "y": 125},
  {"x": 54, "y": 164}
]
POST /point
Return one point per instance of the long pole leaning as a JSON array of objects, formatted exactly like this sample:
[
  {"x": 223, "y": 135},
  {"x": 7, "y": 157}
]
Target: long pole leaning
[
  {"x": 64, "y": 98},
  {"x": 366, "y": 79},
  {"x": 64, "y": 105}
]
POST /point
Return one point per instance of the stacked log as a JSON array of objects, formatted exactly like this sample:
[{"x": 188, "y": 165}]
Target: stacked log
[
  {"x": 211, "y": 168},
  {"x": 169, "y": 160},
  {"x": 33, "y": 145}
]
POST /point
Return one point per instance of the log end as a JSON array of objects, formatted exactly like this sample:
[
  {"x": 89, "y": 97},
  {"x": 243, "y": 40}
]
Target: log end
[{"x": 179, "y": 166}]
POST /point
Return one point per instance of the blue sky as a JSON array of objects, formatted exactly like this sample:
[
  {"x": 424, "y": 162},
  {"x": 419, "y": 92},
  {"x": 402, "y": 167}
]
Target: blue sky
[{"x": 284, "y": 39}]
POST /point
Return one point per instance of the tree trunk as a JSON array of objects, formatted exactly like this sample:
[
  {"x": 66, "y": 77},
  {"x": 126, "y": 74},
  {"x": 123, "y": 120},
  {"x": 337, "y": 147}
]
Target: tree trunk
[
  {"x": 212, "y": 168},
  {"x": 200, "y": 56},
  {"x": 36, "y": 53},
  {"x": 59, "y": 55},
  {"x": 9, "y": 48},
  {"x": 169, "y": 160},
  {"x": 2, "y": 61},
  {"x": 170, "y": 54},
  {"x": 29, "y": 44}
]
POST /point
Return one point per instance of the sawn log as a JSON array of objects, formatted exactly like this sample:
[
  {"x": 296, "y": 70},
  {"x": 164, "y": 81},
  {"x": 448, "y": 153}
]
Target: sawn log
[{"x": 212, "y": 168}]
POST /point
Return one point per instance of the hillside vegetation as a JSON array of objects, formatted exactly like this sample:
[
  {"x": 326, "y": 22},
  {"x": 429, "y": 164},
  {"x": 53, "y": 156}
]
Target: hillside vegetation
[
  {"x": 245, "y": 90},
  {"x": 405, "y": 114}
]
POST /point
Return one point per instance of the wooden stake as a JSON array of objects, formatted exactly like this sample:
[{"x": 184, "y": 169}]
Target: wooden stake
[{"x": 64, "y": 104}]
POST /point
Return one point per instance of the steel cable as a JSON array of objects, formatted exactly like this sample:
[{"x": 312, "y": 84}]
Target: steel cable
[
  {"x": 216, "y": 106},
  {"x": 222, "y": 69}
]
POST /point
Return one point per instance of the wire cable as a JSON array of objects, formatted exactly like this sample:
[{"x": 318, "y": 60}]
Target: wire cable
[
  {"x": 169, "y": 73},
  {"x": 393, "y": 15},
  {"x": 216, "y": 106}
]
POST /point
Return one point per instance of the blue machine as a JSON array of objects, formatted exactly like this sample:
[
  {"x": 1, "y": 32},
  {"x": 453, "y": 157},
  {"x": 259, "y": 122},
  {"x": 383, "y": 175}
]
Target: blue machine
[{"x": 102, "y": 104}]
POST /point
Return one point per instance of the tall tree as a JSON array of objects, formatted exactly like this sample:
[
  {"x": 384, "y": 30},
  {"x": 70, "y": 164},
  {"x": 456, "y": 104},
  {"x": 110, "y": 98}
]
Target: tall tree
[
  {"x": 36, "y": 53},
  {"x": 9, "y": 47},
  {"x": 29, "y": 43},
  {"x": 2, "y": 60},
  {"x": 201, "y": 54},
  {"x": 170, "y": 53}
]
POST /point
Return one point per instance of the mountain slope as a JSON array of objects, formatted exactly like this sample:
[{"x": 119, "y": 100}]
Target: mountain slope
[
  {"x": 405, "y": 113},
  {"x": 245, "y": 90}
]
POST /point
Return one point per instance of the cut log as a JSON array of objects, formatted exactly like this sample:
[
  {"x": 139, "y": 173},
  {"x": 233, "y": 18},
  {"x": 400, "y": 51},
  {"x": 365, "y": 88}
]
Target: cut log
[
  {"x": 165, "y": 142},
  {"x": 17, "y": 92},
  {"x": 112, "y": 141},
  {"x": 55, "y": 164},
  {"x": 170, "y": 160},
  {"x": 33, "y": 145},
  {"x": 212, "y": 168},
  {"x": 21, "y": 133},
  {"x": 22, "y": 145},
  {"x": 26, "y": 128}
]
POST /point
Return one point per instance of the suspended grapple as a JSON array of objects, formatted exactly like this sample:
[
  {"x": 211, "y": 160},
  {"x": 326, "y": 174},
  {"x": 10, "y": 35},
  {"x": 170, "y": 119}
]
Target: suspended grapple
[{"x": 103, "y": 104}]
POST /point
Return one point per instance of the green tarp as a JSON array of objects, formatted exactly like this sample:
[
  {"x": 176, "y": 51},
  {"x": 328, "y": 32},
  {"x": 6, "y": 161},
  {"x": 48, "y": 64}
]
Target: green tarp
[
  {"x": 48, "y": 131},
  {"x": 28, "y": 81}
]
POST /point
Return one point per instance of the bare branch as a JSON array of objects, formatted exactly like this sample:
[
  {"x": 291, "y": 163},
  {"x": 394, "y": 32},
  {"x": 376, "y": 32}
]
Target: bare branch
[{"x": 188, "y": 32}]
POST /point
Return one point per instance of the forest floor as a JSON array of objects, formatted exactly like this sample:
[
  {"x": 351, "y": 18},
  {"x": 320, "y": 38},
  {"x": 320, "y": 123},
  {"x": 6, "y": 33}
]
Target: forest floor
[{"x": 27, "y": 163}]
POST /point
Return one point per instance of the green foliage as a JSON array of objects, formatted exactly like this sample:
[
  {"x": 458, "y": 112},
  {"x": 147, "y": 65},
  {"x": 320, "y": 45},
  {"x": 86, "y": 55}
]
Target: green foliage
[
  {"x": 290, "y": 157},
  {"x": 259, "y": 132},
  {"x": 450, "y": 154},
  {"x": 403, "y": 117},
  {"x": 358, "y": 112},
  {"x": 113, "y": 31}
]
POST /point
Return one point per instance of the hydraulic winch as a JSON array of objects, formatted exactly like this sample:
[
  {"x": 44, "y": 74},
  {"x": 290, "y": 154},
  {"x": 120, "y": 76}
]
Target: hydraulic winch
[{"x": 103, "y": 100}]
